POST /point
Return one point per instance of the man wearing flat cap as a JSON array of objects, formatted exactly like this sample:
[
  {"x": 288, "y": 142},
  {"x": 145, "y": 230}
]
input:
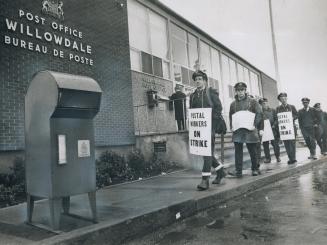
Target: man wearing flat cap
[
  {"x": 321, "y": 130},
  {"x": 247, "y": 115},
  {"x": 308, "y": 121},
  {"x": 205, "y": 97},
  {"x": 178, "y": 100},
  {"x": 271, "y": 115},
  {"x": 289, "y": 144}
]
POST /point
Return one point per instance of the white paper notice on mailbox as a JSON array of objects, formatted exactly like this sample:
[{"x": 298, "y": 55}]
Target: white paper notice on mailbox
[
  {"x": 84, "y": 148},
  {"x": 243, "y": 119}
]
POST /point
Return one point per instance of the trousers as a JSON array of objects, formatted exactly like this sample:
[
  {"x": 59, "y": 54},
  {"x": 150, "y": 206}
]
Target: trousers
[{"x": 252, "y": 148}]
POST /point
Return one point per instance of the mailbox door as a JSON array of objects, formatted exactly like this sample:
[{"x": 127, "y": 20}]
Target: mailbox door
[{"x": 73, "y": 160}]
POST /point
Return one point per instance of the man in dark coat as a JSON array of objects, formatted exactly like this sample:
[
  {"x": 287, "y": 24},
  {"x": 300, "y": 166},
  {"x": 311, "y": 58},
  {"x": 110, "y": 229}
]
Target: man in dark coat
[
  {"x": 321, "y": 130},
  {"x": 179, "y": 101},
  {"x": 289, "y": 144},
  {"x": 271, "y": 115},
  {"x": 244, "y": 135},
  {"x": 308, "y": 121},
  {"x": 204, "y": 97}
]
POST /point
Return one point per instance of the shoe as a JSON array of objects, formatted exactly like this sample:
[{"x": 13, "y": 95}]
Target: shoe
[
  {"x": 255, "y": 173},
  {"x": 292, "y": 162},
  {"x": 324, "y": 153},
  {"x": 235, "y": 174},
  {"x": 278, "y": 159},
  {"x": 204, "y": 185},
  {"x": 267, "y": 161},
  {"x": 310, "y": 157},
  {"x": 314, "y": 157},
  {"x": 220, "y": 175}
]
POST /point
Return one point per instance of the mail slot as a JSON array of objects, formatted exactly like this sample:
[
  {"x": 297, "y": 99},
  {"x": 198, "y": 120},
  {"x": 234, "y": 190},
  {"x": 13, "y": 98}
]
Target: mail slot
[{"x": 59, "y": 140}]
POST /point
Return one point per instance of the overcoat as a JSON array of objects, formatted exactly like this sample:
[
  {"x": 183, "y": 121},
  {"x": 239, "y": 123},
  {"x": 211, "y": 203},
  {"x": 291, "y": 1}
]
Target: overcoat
[{"x": 243, "y": 135}]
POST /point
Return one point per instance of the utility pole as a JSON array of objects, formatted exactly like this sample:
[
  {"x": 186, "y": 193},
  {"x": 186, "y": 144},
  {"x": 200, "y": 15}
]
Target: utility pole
[{"x": 279, "y": 86}]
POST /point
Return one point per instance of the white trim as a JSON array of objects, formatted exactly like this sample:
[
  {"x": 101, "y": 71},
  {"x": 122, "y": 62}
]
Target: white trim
[
  {"x": 206, "y": 173},
  {"x": 219, "y": 167}
]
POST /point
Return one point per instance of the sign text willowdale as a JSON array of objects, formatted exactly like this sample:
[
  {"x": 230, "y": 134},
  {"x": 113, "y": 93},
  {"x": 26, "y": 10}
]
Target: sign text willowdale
[{"x": 61, "y": 35}]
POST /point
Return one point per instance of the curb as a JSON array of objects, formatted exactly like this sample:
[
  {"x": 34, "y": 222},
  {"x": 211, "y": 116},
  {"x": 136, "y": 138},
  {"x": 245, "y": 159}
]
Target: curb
[{"x": 105, "y": 233}]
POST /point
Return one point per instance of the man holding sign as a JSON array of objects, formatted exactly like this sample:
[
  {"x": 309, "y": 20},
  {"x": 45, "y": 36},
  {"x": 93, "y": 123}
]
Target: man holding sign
[
  {"x": 245, "y": 117},
  {"x": 208, "y": 100},
  {"x": 308, "y": 121},
  {"x": 286, "y": 115},
  {"x": 270, "y": 132}
]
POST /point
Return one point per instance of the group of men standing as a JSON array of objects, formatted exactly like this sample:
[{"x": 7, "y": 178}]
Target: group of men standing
[{"x": 247, "y": 122}]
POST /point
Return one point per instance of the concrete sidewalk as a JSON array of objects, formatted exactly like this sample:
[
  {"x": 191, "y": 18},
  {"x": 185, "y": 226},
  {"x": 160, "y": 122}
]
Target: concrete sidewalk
[{"x": 139, "y": 207}]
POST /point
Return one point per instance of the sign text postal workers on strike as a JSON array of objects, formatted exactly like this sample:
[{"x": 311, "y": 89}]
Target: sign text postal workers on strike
[{"x": 200, "y": 131}]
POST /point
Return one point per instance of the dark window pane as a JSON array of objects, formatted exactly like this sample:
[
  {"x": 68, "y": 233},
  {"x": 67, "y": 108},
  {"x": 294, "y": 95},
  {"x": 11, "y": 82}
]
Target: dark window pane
[
  {"x": 146, "y": 63},
  {"x": 157, "y": 66},
  {"x": 185, "y": 78}
]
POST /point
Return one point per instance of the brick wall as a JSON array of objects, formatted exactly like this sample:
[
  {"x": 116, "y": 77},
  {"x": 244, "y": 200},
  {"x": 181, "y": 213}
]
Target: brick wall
[
  {"x": 104, "y": 27},
  {"x": 159, "y": 118}
]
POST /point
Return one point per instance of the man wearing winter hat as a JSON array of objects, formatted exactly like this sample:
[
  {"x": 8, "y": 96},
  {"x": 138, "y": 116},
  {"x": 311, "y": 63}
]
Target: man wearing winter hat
[
  {"x": 321, "y": 130},
  {"x": 204, "y": 97},
  {"x": 308, "y": 121},
  {"x": 271, "y": 115},
  {"x": 289, "y": 144},
  {"x": 250, "y": 136}
]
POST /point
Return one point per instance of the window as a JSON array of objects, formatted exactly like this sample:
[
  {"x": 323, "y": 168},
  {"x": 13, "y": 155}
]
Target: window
[
  {"x": 148, "y": 40},
  {"x": 231, "y": 91},
  {"x": 193, "y": 55},
  {"x": 215, "y": 67},
  {"x": 225, "y": 69},
  {"x": 177, "y": 73},
  {"x": 205, "y": 58},
  {"x": 165, "y": 69},
  {"x": 185, "y": 76},
  {"x": 157, "y": 67},
  {"x": 215, "y": 64},
  {"x": 146, "y": 63},
  {"x": 179, "y": 45},
  {"x": 158, "y": 33},
  {"x": 246, "y": 76},
  {"x": 254, "y": 84},
  {"x": 139, "y": 36},
  {"x": 240, "y": 72},
  {"x": 232, "y": 68}
]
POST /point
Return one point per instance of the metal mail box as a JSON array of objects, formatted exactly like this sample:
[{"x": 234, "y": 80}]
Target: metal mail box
[{"x": 59, "y": 139}]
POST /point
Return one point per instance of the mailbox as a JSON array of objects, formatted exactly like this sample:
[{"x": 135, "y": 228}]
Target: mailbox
[
  {"x": 152, "y": 98},
  {"x": 59, "y": 140}
]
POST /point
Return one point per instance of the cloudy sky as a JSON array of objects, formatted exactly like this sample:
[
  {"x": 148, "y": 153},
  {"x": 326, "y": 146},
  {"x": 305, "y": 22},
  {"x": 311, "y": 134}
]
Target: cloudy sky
[{"x": 244, "y": 27}]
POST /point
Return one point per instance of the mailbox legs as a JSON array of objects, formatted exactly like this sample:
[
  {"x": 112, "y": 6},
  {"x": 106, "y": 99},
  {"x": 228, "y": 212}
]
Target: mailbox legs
[
  {"x": 30, "y": 207},
  {"x": 92, "y": 199},
  {"x": 55, "y": 211},
  {"x": 58, "y": 204}
]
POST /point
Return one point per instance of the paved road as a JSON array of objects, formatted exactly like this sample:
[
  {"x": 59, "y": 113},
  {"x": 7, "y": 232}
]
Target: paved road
[{"x": 291, "y": 211}]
